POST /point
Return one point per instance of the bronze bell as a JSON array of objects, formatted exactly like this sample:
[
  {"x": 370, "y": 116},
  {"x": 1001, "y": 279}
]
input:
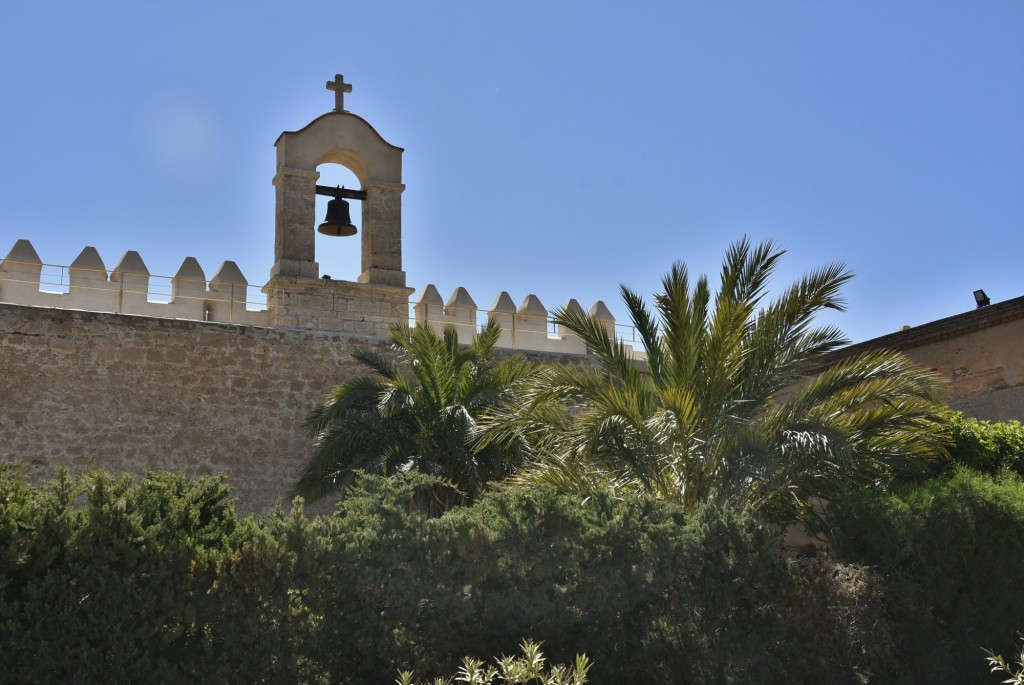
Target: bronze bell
[{"x": 337, "y": 223}]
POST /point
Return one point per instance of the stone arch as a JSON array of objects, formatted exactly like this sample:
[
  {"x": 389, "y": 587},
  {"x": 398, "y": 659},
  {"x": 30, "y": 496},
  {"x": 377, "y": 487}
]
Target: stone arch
[
  {"x": 346, "y": 139},
  {"x": 339, "y": 256}
]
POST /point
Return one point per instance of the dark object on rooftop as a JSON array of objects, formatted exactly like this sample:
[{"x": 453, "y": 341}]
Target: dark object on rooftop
[{"x": 981, "y": 298}]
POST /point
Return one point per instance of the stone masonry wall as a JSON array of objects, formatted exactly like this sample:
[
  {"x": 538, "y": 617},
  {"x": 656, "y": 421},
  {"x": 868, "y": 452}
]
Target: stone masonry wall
[
  {"x": 132, "y": 392},
  {"x": 985, "y": 369},
  {"x": 980, "y": 353},
  {"x": 328, "y": 305},
  {"x": 124, "y": 392}
]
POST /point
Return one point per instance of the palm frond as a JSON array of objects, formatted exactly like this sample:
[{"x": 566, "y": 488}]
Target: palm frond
[
  {"x": 376, "y": 363},
  {"x": 646, "y": 326},
  {"x": 614, "y": 357},
  {"x": 355, "y": 394},
  {"x": 419, "y": 411},
  {"x": 727, "y": 413}
]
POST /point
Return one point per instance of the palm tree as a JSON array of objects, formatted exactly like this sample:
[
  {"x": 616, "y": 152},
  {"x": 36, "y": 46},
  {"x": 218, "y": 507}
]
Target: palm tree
[
  {"x": 418, "y": 413},
  {"x": 726, "y": 408}
]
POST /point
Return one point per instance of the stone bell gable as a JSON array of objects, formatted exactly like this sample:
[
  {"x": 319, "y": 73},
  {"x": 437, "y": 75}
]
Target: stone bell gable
[{"x": 379, "y": 296}]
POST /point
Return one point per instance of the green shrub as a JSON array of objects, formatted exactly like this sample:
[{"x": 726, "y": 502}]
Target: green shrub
[
  {"x": 106, "y": 579},
  {"x": 103, "y": 580},
  {"x": 951, "y": 555},
  {"x": 655, "y": 596},
  {"x": 986, "y": 446}
]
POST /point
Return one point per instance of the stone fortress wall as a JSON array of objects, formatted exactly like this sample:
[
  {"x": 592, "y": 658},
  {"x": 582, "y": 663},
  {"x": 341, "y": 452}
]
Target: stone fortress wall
[
  {"x": 980, "y": 353},
  {"x": 99, "y": 371},
  {"x": 126, "y": 392},
  {"x": 130, "y": 392},
  {"x": 202, "y": 384}
]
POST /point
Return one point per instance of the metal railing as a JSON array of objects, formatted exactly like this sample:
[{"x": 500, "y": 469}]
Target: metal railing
[
  {"x": 514, "y": 324},
  {"x": 56, "y": 278},
  {"x": 65, "y": 287}
]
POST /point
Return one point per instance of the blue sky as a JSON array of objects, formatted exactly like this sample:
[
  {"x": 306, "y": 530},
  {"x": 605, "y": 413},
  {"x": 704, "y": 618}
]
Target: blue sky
[{"x": 557, "y": 148}]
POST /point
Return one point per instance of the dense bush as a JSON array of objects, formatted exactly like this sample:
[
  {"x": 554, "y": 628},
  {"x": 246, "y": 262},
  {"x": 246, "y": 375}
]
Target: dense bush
[
  {"x": 651, "y": 596},
  {"x": 986, "y": 446},
  {"x": 103, "y": 580},
  {"x": 107, "y": 579},
  {"x": 950, "y": 552}
]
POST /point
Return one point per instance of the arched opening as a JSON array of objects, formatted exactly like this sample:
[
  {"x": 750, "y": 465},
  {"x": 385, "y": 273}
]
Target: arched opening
[
  {"x": 345, "y": 139},
  {"x": 339, "y": 258}
]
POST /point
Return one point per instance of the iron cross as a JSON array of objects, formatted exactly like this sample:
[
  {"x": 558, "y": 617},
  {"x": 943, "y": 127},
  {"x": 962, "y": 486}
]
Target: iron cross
[{"x": 339, "y": 87}]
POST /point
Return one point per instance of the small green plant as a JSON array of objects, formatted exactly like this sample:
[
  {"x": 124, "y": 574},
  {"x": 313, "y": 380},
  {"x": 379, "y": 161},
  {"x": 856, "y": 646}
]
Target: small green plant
[
  {"x": 521, "y": 670},
  {"x": 1015, "y": 671}
]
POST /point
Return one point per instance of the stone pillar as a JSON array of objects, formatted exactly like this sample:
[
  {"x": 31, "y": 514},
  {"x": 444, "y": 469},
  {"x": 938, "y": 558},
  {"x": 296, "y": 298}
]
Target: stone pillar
[
  {"x": 294, "y": 221},
  {"x": 382, "y": 234}
]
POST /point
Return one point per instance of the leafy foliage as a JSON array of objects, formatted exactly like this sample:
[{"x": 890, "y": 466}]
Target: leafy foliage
[
  {"x": 659, "y": 597},
  {"x": 1014, "y": 670},
  {"x": 519, "y": 670},
  {"x": 160, "y": 581},
  {"x": 106, "y": 579},
  {"x": 727, "y": 410},
  {"x": 951, "y": 555},
  {"x": 103, "y": 580},
  {"x": 988, "y": 447},
  {"x": 419, "y": 414}
]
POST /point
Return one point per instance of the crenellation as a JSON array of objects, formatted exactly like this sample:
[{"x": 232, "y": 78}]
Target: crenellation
[
  {"x": 126, "y": 289},
  {"x": 132, "y": 278},
  {"x": 292, "y": 302},
  {"x": 503, "y": 310},
  {"x": 227, "y": 296},
  {"x": 429, "y": 306},
  {"x": 525, "y": 327},
  {"x": 188, "y": 290},
  {"x": 570, "y": 340},
  {"x": 460, "y": 314},
  {"x": 20, "y": 274},
  {"x": 600, "y": 311},
  {"x": 531, "y": 325},
  {"x": 88, "y": 285}
]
